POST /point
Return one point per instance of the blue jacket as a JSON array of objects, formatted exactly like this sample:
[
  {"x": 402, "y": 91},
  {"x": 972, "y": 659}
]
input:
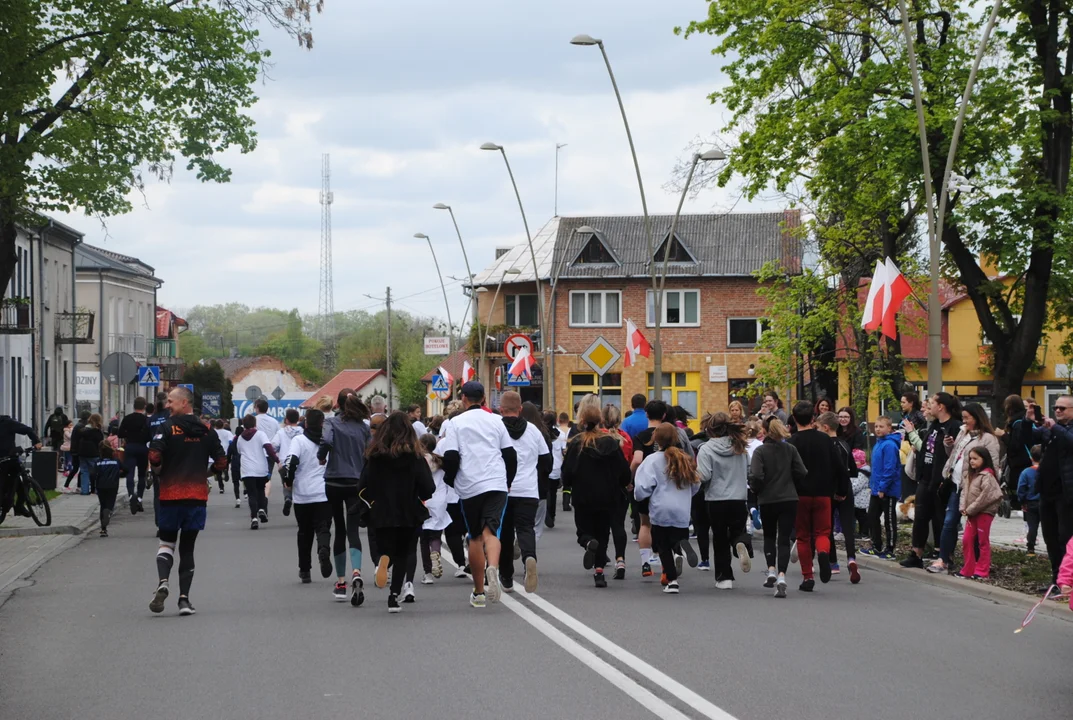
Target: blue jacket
[
  {"x": 1026, "y": 485},
  {"x": 636, "y": 423},
  {"x": 887, "y": 466}
]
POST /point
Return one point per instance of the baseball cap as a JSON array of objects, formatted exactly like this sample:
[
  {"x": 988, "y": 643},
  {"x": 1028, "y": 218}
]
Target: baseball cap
[{"x": 473, "y": 390}]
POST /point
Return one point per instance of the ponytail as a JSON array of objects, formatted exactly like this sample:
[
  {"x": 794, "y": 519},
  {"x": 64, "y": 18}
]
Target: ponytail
[{"x": 679, "y": 464}]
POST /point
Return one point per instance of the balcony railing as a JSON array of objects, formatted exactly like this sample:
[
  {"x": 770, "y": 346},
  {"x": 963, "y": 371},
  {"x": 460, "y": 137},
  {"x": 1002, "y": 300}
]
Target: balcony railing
[
  {"x": 15, "y": 316},
  {"x": 159, "y": 349},
  {"x": 74, "y": 328},
  {"x": 130, "y": 344}
]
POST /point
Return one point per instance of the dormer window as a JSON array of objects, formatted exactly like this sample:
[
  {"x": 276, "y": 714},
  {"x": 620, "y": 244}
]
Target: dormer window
[
  {"x": 595, "y": 252},
  {"x": 678, "y": 254}
]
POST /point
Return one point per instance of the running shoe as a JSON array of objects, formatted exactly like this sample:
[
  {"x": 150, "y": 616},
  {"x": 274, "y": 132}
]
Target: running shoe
[
  {"x": 655, "y": 560},
  {"x": 408, "y": 592},
  {"x": 185, "y": 608},
  {"x": 305, "y": 577},
  {"x": 755, "y": 514},
  {"x": 599, "y": 579},
  {"x": 1030, "y": 554},
  {"x": 663, "y": 579},
  {"x": 771, "y": 579},
  {"x": 936, "y": 568},
  {"x": 161, "y": 594},
  {"x": 808, "y": 585},
  {"x": 393, "y": 604},
  {"x": 839, "y": 537},
  {"x": 646, "y": 570},
  {"x": 325, "y": 558},
  {"x": 724, "y": 584},
  {"x": 793, "y": 552},
  {"x": 427, "y": 579},
  {"x": 340, "y": 592},
  {"x": 530, "y": 575},
  {"x": 589, "y": 558},
  {"x": 744, "y": 561},
  {"x": 854, "y": 572},
  {"x": 254, "y": 524},
  {"x": 461, "y": 573},
  {"x": 679, "y": 561},
  {"x": 507, "y": 584},
  {"x": 141, "y": 507},
  {"x": 692, "y": 532},
  {"x": 691, "y": 555},
  {"x": 491, "y": 584},
  {"x": 381, "y": 577},
  {"x": 238, "y": 503},
  {"x": 133, "y": 504},
  {"x": 437, "y": 565},
  {"x": 825, "y": 567},
  {"x": 103, "y": 532},
  {"x": 262, "y": 516},
  {"x": 671, "y": 588},
  {"x": 620, "y": 570},
  {"x": 549, "y": 522},
  {"x": 357, "y": 594},
  {"x": 286, "y": 507},
  {"x": 871, "y": 552},
  {"x": 836, "y": 569},
  {"x": 885, "y": 555},
  {"x": 704, "y": 566},
  {"x": 913, "y": 561},
  {"x": 476, "y": 600},
  {"x": 780, "y": 588}
]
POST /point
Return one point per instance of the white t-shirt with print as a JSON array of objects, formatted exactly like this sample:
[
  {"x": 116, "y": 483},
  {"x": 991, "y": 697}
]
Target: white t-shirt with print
[{"x": 478, "y": 437}]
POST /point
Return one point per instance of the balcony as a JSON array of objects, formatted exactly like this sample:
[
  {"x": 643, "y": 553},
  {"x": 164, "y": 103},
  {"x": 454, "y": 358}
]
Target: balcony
[
  {"x": 163, "y": 351},
  {"x": 131, "y": 344},
  {"x": 496, "y": 337},
  {"x": 15, "y": 316},
  {"x": 74, "y": 328}
]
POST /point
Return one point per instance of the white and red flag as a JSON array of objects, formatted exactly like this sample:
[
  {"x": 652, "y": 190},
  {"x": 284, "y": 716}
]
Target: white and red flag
[
  {"x": 888, "y": 291},
  {"x": 447, "y": 377},
  {"x": 468, "y": 373},
  {"x": 636, "y": 344},
  {"x": 522, "y": 365}
]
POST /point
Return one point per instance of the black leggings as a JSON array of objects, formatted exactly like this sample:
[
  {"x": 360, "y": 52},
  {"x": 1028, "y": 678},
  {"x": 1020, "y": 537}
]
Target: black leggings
[
  {"x": 727, "y": 519},
  {"x": 454, "y": 532},
  {"x": 518, "y": 521},
  {"x": 880, "y": 512},
  {"x": 778, "y": 519},
  {"x": 593, "y": 522},
  {"x": 928, "y": 515},
  {"x": 668, "y": 538},
  {"x": 346, "y": 512},
  {"x": 702, "y": 527},
  {"x": 185, "y": 542},
  {"x": 314, "y": 520},
  {"x": 106, "y": 496},
  {"x": 255, "y": 494},
  {"x": 400, "y": 546},
  {"x": 618, "y": 527}
]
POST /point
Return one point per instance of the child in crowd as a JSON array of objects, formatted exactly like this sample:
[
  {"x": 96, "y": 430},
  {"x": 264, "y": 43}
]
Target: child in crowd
[
  {"x": 1028, "y": 494},
  {"x": 438, "y": 517},
  {"x": 843, "y": 508},
  {"x": 668, "y": 479},
  {"x": 886, "y": 487},
  {"x": 862, "y": 492},
  {"x": 981, "y": 496},
  {"x": 107, "y": 471},
  {"x": 1065, "y": 575}
]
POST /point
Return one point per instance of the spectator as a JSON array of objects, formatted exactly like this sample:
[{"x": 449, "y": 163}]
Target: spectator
[
  {"x": 886, "y": 477},
  {"x": 89, "y": 449},
  {"x": 772, "y": 406},
  {"x": 1028, "y": 495},
  {"x": 848, "y": 430},
  {"x": 1055, "y": 479}
]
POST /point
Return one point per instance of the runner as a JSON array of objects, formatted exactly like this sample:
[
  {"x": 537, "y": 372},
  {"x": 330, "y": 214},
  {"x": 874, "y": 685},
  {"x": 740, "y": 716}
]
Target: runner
[
  {"x": 723, "y": 466},
  {"x": 454, "y": 532},
  {"x": 107, "y": 472},
  {"x": 226, "y": 436},
  {"x": 179, "y": 454},
  {"x": 480, "y": 462},
  {"x": 342, "y": 450},
  {"x": 135, "y": 433},
  {"x": 303, "y": 475},
  {"x": 546, "y": 510},
  {"x": 281, "y": 441},
  {"x": 256, "y": 453},
  {"x": 534, "y": 464},
  {"x": 438, "y": 518},
  {"x": 414, "y": 413}
]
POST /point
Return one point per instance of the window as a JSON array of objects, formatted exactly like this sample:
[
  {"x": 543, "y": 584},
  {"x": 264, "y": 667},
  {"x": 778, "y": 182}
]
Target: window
[
  {"x": 680, "y": 388},
  {"x": 596, "y": 308},
  {"x": 678, "y": 251},
  {"x": 521, "y": 311},
  {"x": 744, "y": 332},
  {"x": 680, "y": 307},
  {"x": 595, "y": 253},
  {"x": 739, "y": 390},
  {"x": 609, "y": 391}
]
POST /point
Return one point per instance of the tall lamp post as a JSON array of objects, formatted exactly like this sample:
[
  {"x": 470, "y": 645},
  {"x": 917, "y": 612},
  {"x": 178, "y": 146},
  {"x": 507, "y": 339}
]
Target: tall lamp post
[
  {"x": 657, "y": 374},
  {"x": 536, "y": 270},
  {"x": 450, "y": 325},
  {"x": 465, "y": 257},
  {"x": 491, "y": 308}
]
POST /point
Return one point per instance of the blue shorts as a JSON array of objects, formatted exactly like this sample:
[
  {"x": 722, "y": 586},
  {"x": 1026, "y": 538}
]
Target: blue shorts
[{"x": 172, "y": 518}]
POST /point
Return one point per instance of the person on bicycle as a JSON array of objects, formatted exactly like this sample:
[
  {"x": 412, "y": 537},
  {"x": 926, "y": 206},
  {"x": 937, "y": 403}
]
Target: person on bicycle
[{"x": 9, "y": 464}]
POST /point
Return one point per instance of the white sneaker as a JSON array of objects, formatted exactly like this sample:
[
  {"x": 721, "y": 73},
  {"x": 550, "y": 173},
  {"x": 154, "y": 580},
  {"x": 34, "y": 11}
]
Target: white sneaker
[
  {"x": 428, "y": 579},
  {"x": 744, "y": 560},
  {"x": 238, "y": 503},
  {"x": 672, "y": 588},
  {"x": 724, "y": 585},
  {"x": 407, "y": 594},
  {"x": 492, "y": 589},
  {"x": 679, "y": 561},
  {"x": 461, "y": 573},
  {"x": 437, "y": 565}
]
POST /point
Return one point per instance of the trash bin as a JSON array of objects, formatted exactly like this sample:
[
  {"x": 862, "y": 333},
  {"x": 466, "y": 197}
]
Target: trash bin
[{"x": 43, "y": 468}]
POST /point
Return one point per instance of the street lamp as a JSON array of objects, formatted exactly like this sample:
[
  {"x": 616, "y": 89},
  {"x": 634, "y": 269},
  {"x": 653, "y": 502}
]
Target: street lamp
[
  {"x": 469, "y": 274},
  {"x": 657, "y": 376},
  {"x": 450, "y": 325},
  {"x": 532, "y": 255},
  {"x": 488, "y": 323}
]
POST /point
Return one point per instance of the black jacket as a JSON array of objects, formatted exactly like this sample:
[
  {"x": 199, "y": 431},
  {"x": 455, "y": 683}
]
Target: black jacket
[
  {"x": 89, "y": 442},
  {"x": 1056, "y": 467},
  {"x": 827, "y": 474},
  {"x": 394, "y": 489},
  {"x": 180, "y": 454},
  {"x": 55, "y": 425},
  {"x": 598, "y": 474},
  {"x": 9, "y": 428},
  {"x": 108, "y": 472},
  {"x": 135, "y": 429},
  {"x": 776, "y": 472}
]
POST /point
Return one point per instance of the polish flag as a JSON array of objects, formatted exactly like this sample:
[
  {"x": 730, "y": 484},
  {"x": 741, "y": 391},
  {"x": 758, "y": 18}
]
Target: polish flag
[
  {"x": 876, "y": 302},
  {"x": 468, "y": 373},
  {"x": 447, "y": 376},
  {"x": 897, "y": 290},
  {"x": 636, "y": 344},
  {"x": 523, "y": 363}
]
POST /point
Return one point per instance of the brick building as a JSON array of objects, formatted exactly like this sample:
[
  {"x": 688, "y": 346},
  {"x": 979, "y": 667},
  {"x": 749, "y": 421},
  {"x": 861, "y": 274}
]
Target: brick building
[{"x": 596, "y": 274}]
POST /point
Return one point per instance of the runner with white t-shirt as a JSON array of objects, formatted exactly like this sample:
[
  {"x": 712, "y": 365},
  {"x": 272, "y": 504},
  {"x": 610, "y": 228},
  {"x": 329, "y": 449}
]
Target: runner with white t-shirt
[
  {"x": 534, "y": 463},
  {"x": 226, "y": 436},
  {"x": 254, "y": 450},
  {"x": 281, "y": 441},
  {"x": 480, "y": 462},
  {"x": 454, "y": 532}
]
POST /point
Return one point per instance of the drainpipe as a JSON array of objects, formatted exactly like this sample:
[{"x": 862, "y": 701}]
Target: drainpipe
[
  {"x": 100, "y": 338},
  {"x": 35, "y": 305},
  {"x": 41, "y": 326},
  {"x": 74, "y": 348}
]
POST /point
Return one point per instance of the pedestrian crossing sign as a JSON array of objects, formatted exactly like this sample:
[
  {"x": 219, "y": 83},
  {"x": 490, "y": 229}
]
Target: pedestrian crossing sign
[
  {"x": 149, "y": 376},
  {"x": 439, "y": 384}
]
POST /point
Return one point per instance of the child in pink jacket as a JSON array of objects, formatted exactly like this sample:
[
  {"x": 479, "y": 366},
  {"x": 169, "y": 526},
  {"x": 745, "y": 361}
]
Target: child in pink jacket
[{"x": 1065, "y": 574}]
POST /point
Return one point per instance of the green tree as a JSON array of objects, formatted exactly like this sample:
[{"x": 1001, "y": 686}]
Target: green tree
[
  {"x": 95, "y": 95},
  {"x": 209, "y": 377},
  {"x": 819, "y": 94}
]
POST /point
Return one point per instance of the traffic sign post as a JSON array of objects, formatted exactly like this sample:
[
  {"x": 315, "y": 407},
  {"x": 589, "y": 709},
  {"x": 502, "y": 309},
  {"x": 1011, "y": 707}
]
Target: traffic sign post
[
  {"x": 149, "y": 376},
  {"x": 518, "y": 381},
  {"x": 601, "y": 356},
  {"x": 514, "y": 345},
  {"x": 210, "y": 404},
  {"x": 278, "y": 393}
]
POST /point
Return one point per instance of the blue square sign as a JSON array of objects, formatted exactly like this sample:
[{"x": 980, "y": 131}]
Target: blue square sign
[{"x": 149, "y": 376}]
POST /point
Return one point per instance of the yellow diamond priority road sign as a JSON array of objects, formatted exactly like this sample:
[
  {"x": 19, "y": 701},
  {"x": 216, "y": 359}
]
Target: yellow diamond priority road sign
[{"x": 601, "y": 356}]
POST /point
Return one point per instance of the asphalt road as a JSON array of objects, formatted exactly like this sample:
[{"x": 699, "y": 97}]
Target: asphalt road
[{"x": 80, "y": 642}]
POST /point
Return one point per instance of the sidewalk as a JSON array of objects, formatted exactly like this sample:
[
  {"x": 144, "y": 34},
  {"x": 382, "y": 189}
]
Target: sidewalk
[{"x": 24, "y": 547}]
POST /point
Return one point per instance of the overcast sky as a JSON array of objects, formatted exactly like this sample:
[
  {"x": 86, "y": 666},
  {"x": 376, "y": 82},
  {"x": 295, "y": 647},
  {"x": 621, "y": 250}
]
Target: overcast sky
[{"x": 402, "y": 95}]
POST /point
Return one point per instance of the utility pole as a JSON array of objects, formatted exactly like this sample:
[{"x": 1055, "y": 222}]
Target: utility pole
[{"x": 390, "y": 373}]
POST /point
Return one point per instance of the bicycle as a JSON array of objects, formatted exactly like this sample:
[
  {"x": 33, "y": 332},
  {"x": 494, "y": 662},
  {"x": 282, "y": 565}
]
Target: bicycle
[{"x": 34, "y": 498}]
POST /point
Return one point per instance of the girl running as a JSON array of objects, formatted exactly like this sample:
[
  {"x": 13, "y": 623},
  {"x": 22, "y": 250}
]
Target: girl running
[
  {"x": 774, "y": 472},
  {"x": 980, "y": 499},
  {"x": 395, "y": 483},
  {"x": 612, "y": 422},
  {"x": 107, "y": 471},
  {"x": 454, "y": 532},
  {"x": 668, "y": 480},
  {"x": 254, "y": 450},
  {"x": 723, "y": 466},
  {"x": 342, "y": 452},
  {"x": 303, "y": 475},
  {"x": 438, "y": 518}
]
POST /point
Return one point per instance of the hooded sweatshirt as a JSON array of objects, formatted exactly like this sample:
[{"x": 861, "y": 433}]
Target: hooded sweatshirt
[
  {"x": 724, "y": 474},
  {"x": 281, "y": 441},
  {"x": 254, "y": 449},
  {"x": 395, "y": 488},
  {"x": 887, "y": 466},
  {"x": 534, "y": 459},
  {"x": 670, "y": 505},
  {"x": 598, "y": 474},
  {"x": 343, "y": 447},
  {"x": 775, "y": 472},
  {"x": 179, "y": 453}
]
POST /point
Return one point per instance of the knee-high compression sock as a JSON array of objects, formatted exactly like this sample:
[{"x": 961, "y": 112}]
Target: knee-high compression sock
[
  {"x": 340, "y": 564},
  {"x": 355, "y": 559},
  {"x": 186, "y": 571},
  {"x": 165, "y": 557}
]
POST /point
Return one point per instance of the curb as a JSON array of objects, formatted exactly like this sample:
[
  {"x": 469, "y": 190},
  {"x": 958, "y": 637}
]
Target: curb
[{"x": 50, "y": 530}]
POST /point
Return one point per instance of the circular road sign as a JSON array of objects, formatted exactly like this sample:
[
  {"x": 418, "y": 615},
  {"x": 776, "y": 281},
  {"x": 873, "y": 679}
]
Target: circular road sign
[{"x": 515, "y": 343}]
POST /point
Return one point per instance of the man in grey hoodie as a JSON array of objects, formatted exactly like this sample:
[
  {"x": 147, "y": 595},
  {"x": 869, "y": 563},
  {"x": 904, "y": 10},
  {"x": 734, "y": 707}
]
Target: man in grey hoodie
[{"x": 723, "y": 466}]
